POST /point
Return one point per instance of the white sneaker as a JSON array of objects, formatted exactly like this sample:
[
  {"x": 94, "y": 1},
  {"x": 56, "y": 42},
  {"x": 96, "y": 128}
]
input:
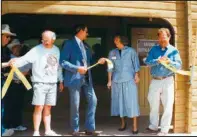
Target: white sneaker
[
  {"x": 36, "y": 133},
  {"x": 20, "y": 128},
  {"x": 8, "y": 132},
  {"x": 51, "y": 133}
]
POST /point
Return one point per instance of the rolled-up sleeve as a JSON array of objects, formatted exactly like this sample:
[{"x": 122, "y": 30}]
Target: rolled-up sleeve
[
  {"x": 136, "y": 61},
  {"x": 176, "y": 62}
]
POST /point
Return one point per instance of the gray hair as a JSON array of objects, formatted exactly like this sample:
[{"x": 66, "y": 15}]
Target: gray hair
[
  {"x": 123, "y": 39},
  {"x": 53, "y": 35}
]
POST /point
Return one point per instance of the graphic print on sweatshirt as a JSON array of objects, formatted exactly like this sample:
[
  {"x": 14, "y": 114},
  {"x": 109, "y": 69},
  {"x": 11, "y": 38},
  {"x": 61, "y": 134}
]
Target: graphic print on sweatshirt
[{"x": 51, "y": 66}]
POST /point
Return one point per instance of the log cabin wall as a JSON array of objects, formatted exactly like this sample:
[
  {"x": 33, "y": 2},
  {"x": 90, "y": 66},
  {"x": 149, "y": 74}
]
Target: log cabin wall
[{"x": 181, "y": 15}]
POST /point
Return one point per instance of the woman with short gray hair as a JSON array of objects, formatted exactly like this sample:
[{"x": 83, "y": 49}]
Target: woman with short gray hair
[{"x": 123, "y": 79}]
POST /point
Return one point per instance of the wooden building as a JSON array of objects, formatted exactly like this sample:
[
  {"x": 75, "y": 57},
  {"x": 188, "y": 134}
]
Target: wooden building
[{"x": 139, "y": 20}]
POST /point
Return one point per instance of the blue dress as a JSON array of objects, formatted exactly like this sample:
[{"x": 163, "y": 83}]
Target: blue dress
[{"x": 124, "y": 95}]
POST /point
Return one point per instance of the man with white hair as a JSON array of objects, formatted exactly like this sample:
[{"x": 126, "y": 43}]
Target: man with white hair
[
  {"x": 5, "y": 56},
  {"x": 45, "y": 74}
]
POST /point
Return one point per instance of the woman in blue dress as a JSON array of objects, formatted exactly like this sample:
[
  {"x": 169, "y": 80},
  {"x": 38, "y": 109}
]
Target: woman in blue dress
[{"x": 122, "y": 80}]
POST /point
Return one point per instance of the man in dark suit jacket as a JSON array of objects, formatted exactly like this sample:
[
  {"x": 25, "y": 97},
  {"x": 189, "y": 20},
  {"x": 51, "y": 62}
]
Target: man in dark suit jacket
[{"x": 75, "y": 57}]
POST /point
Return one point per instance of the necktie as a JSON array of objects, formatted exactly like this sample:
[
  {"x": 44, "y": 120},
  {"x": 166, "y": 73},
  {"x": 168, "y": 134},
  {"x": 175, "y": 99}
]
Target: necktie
[
  {"x": 83, "y": 53},
  {"x": 84, "y": 61}
]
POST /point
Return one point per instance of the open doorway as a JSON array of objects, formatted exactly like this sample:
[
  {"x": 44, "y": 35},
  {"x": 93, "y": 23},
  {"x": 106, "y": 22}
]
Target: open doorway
[{"x": 101, "y": 30}]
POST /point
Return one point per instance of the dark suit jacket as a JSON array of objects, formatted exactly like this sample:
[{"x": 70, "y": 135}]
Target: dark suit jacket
[{"x": 70, "y": 59}]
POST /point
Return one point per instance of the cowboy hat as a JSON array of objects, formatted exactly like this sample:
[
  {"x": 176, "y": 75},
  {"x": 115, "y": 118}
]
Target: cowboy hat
[{"x": 6, "y": 30}]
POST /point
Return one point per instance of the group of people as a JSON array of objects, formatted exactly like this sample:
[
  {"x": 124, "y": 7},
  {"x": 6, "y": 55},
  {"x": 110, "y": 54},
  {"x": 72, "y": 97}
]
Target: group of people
[
  {"x": 47, "y": 63},
  {"x": 12, "y": 103}
]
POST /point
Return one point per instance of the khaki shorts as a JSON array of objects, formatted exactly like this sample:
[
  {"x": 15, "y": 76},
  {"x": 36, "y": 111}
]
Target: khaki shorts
[{"x": 44, "y": 94}]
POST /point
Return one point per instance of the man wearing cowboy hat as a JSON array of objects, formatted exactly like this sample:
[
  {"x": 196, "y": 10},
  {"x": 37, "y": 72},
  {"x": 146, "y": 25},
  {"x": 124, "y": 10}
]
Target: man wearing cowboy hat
[
  {"x": 14, "y": 98},
  {"x": 5, "y": 56},
  {"x": 5, "y": 37}
]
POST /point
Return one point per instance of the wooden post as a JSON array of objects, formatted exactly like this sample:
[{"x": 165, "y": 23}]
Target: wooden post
[
  {"x": 194, "y": 61},
  {"x": 189, "y": 36}
]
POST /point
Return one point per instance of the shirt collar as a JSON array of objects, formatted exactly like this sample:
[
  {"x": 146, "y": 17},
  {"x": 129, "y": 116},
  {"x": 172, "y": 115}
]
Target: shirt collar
[
  {"x": 78, "y": 40},
  {"x": 167, "y": 47},
  {"x": 47, "y": 48},
  {"x": 125, "y": 47}
]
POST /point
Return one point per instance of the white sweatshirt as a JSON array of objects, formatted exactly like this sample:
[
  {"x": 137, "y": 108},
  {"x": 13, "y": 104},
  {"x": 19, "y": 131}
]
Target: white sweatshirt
[{"x": 45, "y": 64}]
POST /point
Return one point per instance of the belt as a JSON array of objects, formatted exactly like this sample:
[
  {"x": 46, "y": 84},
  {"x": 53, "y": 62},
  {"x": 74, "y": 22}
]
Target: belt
[{"x": 160, "y": 78}]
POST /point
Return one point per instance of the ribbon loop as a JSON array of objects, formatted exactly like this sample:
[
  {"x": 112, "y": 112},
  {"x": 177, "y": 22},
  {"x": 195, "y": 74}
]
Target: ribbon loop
[{"x": 10, "y": 77}]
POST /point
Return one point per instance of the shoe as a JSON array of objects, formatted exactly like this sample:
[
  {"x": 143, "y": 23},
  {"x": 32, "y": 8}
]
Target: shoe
[
  {"x": 51, "y": 133},
  {"x": 20, "y": 128},
  {"x": 92, "y": 133},
  {"x": 8, "y": 132},
  {"x": 124, "y": 128},
  {"x": 135, "y": 132},
  {"x": 36, "y": 133},
  {"x": 162, "y": 134},
  {"x": 150, "y": 131}
]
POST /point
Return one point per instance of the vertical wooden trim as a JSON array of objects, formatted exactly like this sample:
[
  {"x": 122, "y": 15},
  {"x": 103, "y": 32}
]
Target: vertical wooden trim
[
  {"x": 195, "y": 51},
  {"x": 189, "y": 44}
]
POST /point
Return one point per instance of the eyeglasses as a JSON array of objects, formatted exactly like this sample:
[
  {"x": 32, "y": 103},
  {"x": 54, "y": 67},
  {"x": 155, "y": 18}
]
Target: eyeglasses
[{"x": 45, "y": 41}]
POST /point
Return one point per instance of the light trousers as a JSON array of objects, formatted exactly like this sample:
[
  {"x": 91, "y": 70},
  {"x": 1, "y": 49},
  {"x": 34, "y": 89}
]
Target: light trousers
[{"x": 161, "y": 90}]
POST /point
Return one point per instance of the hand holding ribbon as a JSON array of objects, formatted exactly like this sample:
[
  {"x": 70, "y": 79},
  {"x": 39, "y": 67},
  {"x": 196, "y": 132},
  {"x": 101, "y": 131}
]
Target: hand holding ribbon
[
  {"x": 102, "y": 61},
  {"x": 10, "y": 77},
  {"x": 165, "y": 62}
]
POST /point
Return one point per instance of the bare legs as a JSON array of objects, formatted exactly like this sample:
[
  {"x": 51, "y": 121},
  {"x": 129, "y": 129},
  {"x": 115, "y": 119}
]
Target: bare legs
[
  {"x": 47, "y": 118},
  {"x": 134, "y": 124},
  {"x": 123, "y": 124},
  {"x": 37, "y": 117},
  {"x": 40, "y": 111}
]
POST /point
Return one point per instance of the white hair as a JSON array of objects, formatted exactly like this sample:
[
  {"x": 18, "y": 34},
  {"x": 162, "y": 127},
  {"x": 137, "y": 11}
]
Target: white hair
[{"x": 51, "y": 33}]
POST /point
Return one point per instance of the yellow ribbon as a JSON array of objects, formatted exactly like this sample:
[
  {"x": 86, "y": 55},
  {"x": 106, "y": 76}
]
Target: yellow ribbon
[
  {"x": 7, "y": 83},
  {"x": 93, "y": 66},
  {"x": 22, "y": 78},
  {"x": 109, "y": 64},
  {"x": 173, "y": 69},
  {"x": 10, "y": 77}
]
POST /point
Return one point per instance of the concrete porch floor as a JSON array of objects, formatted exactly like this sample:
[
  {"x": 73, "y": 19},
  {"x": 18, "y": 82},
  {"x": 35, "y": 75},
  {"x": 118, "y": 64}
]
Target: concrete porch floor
[{"x": 104, "y": 122}]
